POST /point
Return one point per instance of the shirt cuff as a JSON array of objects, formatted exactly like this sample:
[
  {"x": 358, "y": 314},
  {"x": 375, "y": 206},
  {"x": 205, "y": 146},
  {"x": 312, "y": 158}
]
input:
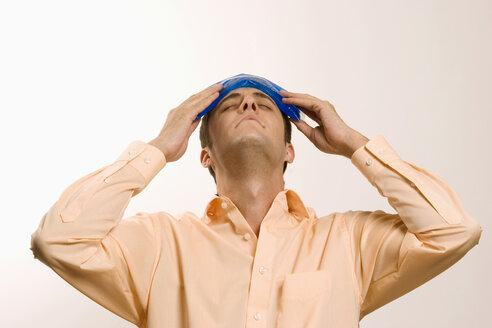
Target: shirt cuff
[
  {"x": 371, "y": 157},
  {"x": 144, "y": 157}
]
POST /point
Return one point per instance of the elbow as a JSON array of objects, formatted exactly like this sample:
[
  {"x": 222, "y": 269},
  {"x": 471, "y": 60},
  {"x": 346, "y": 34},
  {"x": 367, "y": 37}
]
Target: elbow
[
  {"x": 475, "y": 232},
  {"x": 38, "y": 237},
  {"x": 39, "y": 247},
  {"x": 471, "y": 238},
  {"x": 36, "y": 246},
  {"x": 457, "y": 240}
]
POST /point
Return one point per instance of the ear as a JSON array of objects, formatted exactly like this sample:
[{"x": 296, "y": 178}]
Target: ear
[
  {"x": 289, "y": 153},
  {"x": 205, "y": 157}
]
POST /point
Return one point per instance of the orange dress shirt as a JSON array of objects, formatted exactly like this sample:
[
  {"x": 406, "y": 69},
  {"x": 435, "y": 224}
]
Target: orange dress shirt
[{"x": 159, "y": 270}]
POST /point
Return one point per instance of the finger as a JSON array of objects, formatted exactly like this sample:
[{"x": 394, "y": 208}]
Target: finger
[
  {"x": 305, "y": 128},
  {"x": 311, "y": 115},
  {"x": 295, "y": 94},
  {"x": 193, "y": 126},
  {"x": 290, "y": 93},
  {"x": 204, "y": 99},
  {"x": 199, "y": 105},
  {"x": 208, "y": 91},
  {"x": 303, "y": 102},
  {"x": 216, "y": 86}
]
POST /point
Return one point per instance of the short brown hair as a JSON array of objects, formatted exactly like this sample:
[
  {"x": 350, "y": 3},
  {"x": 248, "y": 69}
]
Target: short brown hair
[{"x": 206, "y": 141}]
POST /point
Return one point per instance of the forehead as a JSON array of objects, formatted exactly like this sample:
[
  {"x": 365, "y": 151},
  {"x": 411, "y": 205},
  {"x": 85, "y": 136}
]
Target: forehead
[{"x": 247, "y": 90}]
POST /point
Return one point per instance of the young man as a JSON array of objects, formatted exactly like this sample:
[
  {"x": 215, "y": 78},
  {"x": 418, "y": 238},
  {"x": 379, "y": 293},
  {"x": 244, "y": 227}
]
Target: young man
[{"x": 257, "y": 257}]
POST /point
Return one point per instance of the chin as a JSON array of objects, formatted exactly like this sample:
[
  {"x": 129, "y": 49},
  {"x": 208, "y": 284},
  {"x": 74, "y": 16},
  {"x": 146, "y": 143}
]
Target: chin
[{"x": 251, "y": 139}]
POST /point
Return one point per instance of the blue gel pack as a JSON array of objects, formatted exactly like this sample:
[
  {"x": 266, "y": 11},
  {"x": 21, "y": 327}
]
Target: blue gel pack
[{"x": 252, "y": 81}]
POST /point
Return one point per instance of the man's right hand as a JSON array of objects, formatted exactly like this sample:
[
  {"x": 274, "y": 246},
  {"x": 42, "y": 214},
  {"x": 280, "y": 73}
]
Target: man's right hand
[{"x": 174, "y": 136}]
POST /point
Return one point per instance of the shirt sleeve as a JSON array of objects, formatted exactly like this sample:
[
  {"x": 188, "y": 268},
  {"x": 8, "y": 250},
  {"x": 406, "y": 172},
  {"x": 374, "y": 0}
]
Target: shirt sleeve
[
  {"x": 83, "y": 239},
  {"x": 395, "y": 253}
]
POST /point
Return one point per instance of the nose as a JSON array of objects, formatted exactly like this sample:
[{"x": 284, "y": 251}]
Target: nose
[{"x": 249, "y": 102}]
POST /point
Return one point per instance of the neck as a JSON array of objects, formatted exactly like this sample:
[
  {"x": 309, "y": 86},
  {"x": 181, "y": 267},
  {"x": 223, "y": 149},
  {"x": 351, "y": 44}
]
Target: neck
[{"x": 252, "y": 184}]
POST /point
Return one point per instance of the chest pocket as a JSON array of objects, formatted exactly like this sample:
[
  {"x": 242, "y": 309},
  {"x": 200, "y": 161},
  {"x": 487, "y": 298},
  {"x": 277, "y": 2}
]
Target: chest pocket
[{"x": 303, "y": 298}]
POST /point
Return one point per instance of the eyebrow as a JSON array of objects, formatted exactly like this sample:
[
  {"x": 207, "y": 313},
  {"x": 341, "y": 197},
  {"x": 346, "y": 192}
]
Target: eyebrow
[{"x": 235, "y": 95}]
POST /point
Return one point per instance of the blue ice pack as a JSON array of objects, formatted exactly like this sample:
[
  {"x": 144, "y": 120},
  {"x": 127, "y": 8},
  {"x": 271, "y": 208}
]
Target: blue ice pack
[{"x": 252, "y": 81}]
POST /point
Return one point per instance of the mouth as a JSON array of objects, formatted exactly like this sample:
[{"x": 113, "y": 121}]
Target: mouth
[{"x": 252, "y": 118}]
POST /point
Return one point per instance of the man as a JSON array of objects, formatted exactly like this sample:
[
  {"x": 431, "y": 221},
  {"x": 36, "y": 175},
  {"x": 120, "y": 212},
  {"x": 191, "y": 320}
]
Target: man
[{"x": 258, "y": 257}]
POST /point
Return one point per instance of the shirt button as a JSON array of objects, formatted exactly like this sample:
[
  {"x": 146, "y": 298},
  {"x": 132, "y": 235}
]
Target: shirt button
[
  {"x": 369, "y": 161},
  {"x": 224, "y": 204},
  {"x": 106, "y": 180},
  {"x": 147, "y": 160},
  {"x": 257, "y": 316},
  {"x": 262, "y": 270},
  {"x": 210, "y": 213},
  {"x": 412, "y": 184},
  {"x": 247, "y": 236}
]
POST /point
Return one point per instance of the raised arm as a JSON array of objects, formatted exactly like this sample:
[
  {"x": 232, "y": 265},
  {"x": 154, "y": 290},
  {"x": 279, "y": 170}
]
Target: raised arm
[
  {"x": 396, "y": 253},
  {"x": 392, "y": 253},
  {"x": 82, "y": 237}
]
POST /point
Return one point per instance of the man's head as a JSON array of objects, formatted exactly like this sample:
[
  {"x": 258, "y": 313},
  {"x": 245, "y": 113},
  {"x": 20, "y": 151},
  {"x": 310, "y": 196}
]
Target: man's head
[{"x": 223, "y": 130}]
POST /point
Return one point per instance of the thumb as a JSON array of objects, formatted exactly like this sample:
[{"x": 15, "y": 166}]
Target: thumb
[
  {"x": 193, "y": 126},
  {"x": 303, "y": 127}
]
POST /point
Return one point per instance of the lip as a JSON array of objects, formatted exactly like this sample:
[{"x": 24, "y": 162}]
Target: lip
[{"x": 251, "y": 117}]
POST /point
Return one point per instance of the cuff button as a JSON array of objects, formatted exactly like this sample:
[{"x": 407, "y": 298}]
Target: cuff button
[{"x": 369, "y": 161}]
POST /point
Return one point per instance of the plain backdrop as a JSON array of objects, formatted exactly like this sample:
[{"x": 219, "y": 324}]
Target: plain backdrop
[{"x": 80, "y": 80}]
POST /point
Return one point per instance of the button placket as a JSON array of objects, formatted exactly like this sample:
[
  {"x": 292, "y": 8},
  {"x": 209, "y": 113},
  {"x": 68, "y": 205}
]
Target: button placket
[
  {"x": 122, "y": 160},
  {"x": 112, "y": 169},
  {"x": 134, "y": 151},
  {"x": 261, "y": 278}
]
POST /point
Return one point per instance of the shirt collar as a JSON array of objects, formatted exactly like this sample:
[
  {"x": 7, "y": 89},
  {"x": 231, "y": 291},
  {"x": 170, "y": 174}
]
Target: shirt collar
[{"x": 288, "y": 201}]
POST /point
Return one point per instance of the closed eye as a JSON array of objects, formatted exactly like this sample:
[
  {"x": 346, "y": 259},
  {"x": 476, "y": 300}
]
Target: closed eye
[{"x": 227, "y": 107}]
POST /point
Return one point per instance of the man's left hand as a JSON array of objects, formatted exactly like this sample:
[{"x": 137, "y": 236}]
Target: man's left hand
[{"x": 332, "y": 136}]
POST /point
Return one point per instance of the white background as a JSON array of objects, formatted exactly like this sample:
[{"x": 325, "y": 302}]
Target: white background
[{"x": 80, "y": 80}]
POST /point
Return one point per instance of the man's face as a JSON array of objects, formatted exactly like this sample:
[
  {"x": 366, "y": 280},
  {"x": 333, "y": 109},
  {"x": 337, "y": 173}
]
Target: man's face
[{"x": 230, "y": 131}]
